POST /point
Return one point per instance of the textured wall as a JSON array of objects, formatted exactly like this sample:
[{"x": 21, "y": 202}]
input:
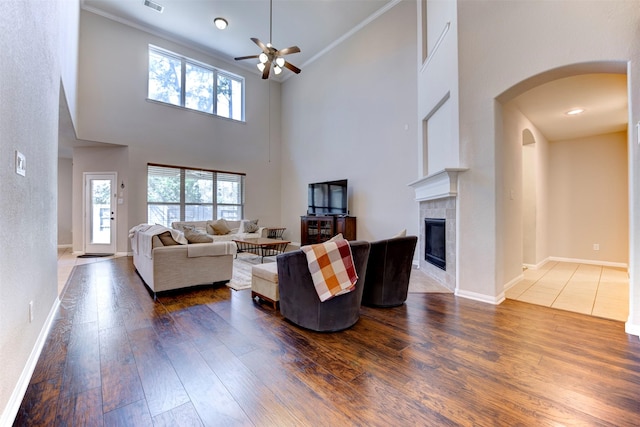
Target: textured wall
[
  {"x": 527, "y": 38},
  {"x": 29, "y": 72},
  {"x": 113, "y": 109},
  {"x": 352, "y": 114}
]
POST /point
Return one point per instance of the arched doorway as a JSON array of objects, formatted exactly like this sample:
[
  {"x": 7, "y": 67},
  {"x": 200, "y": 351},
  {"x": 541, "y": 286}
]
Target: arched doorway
[{"x": 564, "y": 213}]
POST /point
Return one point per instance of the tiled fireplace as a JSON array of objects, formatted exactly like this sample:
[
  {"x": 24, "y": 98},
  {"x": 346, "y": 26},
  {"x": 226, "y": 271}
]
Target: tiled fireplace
[
  {"x": 437, "y": 194},
  {"x": 440, "y": 209}
]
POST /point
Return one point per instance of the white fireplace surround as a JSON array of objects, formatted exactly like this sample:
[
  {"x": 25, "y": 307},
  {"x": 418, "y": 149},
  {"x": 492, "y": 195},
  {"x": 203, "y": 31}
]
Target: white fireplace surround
[
  {"x": 437, "y": 185},
  {"x": 436, "y": 194}
]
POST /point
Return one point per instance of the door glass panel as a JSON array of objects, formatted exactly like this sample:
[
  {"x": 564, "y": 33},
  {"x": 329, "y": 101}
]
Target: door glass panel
[{"x": 100, "y": 211}]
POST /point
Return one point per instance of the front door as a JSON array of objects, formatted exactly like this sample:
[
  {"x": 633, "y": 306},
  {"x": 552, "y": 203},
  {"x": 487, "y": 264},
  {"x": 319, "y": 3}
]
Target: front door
[{"x": 100, "y": 213}]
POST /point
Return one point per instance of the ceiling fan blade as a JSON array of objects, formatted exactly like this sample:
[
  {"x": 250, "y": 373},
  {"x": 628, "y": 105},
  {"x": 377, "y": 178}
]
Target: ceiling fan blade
[
  {"x": 288, "y": 50},
  {"x": 246, "y": 57},
  {"x": 261, "y": 45},
  {"x": 265, "y": 72},
  {"x": 292, "y": 67}
]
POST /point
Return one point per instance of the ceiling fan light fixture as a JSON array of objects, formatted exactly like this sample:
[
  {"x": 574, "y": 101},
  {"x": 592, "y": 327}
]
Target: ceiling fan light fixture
[
  {"x": 220, "y": 23},
  {"x": 271, "y": 57}
]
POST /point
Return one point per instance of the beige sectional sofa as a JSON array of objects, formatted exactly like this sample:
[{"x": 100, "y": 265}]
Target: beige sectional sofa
[
  {"x": 179, "y": 265},
  {"x": 237, "y": 229}
]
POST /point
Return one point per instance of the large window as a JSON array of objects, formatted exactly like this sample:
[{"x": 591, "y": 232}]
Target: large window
[
  {"x": 183, "y": 82},
  {"x": 183, "y": 194}
]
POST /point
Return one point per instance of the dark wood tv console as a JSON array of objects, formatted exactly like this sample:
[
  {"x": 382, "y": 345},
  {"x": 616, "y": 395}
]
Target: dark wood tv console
[{"x": 320, "y": 228}]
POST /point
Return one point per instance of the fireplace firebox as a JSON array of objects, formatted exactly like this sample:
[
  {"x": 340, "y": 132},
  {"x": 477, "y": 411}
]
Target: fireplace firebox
[{"x": 435, "y": 242}]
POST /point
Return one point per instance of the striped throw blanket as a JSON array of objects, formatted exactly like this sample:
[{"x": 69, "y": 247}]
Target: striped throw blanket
[{"x": 331, "y": 267}]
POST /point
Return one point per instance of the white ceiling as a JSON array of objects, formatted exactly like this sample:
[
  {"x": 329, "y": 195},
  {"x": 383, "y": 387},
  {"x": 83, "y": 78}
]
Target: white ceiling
[
  {"x": 317, "y": 25},
  {"x": 602, "y": 96},
  {"x": 312, "y": 25}
]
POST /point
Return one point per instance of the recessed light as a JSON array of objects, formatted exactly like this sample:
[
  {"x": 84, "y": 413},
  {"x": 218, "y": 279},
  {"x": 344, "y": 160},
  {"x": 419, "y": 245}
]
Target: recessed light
[
  {"x": 221, "y": 23},
  {"x": 575, "y": 111}
]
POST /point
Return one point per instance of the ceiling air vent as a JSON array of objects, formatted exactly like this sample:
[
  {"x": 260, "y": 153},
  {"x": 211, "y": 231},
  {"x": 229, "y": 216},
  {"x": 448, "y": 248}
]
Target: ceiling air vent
[{"x": 154, "y": 6}]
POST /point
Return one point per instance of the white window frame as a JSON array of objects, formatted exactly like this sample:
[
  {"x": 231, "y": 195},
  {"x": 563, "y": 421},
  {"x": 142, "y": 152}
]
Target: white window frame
[
  {"x": 182, "y": 203},
  {"x": 216, "y": 72}
]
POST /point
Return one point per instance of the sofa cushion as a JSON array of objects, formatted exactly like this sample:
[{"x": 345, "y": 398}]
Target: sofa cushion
[
  {"x": 196, "y": 236},
  {"x": 218, "y": 227},
  {"x": 167, "y": 239},
  {"x": 251, "y": 226}
]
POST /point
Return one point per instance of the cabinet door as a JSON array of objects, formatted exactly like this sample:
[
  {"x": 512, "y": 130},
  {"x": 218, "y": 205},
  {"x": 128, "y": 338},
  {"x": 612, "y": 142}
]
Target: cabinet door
[
  {"x": 316, "y": 229},
  {"x": 346, "y": 226}
]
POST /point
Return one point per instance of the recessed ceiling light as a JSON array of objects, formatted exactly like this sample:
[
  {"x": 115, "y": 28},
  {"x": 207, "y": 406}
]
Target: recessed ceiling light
[
  {"x": 575, "y": 111},
  {"x": 221, "y": 23}
]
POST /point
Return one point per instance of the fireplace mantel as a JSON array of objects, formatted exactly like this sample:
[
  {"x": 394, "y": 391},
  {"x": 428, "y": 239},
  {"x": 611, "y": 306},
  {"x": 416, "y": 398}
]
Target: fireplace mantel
[{"x": 437, "y": 185}]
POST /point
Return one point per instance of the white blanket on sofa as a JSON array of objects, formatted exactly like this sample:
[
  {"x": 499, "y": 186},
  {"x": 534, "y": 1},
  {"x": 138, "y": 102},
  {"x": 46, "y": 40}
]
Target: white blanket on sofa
[
  {"x": 142, "y": 235},
  {"x": 211, "y": 249}
]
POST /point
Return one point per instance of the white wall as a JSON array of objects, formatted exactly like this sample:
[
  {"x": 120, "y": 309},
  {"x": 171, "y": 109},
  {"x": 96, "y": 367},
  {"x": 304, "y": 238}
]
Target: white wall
[
  {"x": 520, "y": 206},
  {"x": 438, "y": 104},
  {"x": 97, "y": 160},
  {"x": 526, "y": 38},
  {"x": 352, "y": 114},
  {"x": 69, "y": 34},
  {"x": 29, "y": 96},
  {"x": 588, "y": 198},
  {"x": 112, "y": 93},
  {"x": 65, "y": 180}
]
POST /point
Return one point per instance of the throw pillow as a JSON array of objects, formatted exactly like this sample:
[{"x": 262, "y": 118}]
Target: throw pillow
[
  {"x": 195, "y": 236},
  {"x": 167, "y": 239},
  {"x": 402, "y": 233},
  {"x": 220, "y": 227},
  {"x": 251, "y": 226}
]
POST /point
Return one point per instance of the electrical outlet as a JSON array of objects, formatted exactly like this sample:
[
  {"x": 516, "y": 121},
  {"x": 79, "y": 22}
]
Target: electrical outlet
[
  {"x": 30, "y": 311},
  {"x": 596, "y": 246}
]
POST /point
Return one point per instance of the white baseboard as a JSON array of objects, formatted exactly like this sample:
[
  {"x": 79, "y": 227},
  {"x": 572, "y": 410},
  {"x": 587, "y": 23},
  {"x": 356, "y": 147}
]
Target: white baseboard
[
  {"x": 632, "y": 329},
  {"x": 497, "y": 300},
  {"x": 513, "y": 281},
  {"x": 538, "y": 265},
  {"x": 13, "y": 406},
  {"x": 590, "y": 262}
]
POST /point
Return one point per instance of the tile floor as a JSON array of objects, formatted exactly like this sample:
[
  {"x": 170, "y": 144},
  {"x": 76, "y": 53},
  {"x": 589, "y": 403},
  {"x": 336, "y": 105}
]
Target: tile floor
[{"x": 583, "y": 288}]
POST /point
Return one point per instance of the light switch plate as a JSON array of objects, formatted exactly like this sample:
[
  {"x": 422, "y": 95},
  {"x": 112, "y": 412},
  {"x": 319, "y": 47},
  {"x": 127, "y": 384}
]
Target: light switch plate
[{"x": 21, "y": 164}]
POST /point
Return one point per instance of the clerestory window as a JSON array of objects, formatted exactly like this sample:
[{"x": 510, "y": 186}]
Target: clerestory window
[
  {"x": 184, "y": 82},
  {"x": 185, "y": 194}
]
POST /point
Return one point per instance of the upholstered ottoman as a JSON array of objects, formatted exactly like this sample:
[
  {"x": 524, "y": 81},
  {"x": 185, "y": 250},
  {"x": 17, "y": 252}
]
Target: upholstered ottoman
[{"x": 264, "y": 283}]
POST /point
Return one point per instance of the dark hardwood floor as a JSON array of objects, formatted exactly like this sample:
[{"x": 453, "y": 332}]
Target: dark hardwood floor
[{"x": 211, "y": 356}]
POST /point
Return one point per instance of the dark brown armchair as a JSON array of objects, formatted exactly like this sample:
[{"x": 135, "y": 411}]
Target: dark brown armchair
[
  {"x": 388, "y": 271},
  {"x": 299, "y": 301}
]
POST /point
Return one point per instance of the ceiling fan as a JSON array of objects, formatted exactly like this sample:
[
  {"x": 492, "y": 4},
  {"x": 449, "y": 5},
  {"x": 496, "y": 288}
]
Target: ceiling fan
[{"x": 270, "y": 55}]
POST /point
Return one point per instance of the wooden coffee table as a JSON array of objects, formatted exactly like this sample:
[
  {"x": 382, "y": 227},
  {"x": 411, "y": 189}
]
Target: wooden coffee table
[{"x": 262, "y": 246}]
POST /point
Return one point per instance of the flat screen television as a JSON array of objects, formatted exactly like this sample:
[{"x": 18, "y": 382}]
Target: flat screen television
[{"x": 328, "y": 198}]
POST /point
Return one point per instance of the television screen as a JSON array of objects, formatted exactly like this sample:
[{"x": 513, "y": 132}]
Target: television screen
[{"x": 328, "y": 198}]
